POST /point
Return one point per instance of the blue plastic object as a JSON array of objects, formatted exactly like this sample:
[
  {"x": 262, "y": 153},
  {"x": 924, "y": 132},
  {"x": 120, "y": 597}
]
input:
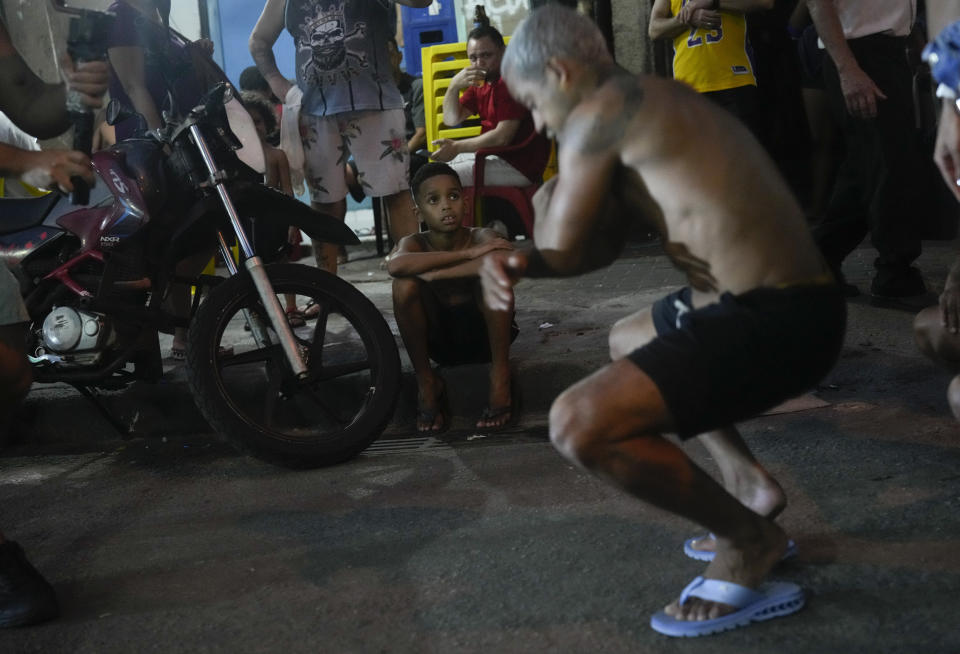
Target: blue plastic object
[
  {"x": 428, "y": 26},
  {"x": 943, "y": 56}
]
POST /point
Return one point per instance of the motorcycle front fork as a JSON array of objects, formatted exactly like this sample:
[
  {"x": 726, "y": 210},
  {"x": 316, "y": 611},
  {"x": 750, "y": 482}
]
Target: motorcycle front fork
[{"x": 254, "y": 266}]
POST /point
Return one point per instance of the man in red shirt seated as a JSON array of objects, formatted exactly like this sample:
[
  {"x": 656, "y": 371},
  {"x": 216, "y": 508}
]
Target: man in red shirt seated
[{"x": 503, "y": 120}]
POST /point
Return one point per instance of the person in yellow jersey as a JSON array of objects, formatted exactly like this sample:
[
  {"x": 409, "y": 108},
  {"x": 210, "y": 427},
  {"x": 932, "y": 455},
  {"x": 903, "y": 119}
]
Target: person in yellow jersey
[{"x": 711, "y": 49}]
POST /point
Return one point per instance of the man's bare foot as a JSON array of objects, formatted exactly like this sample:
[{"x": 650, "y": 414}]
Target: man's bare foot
[
  {"x": 431, "y": 405},
  {"x": 499, "y": 410},
  {"x": 745, "y": 562},
  {"x": 757, "y": 491}
]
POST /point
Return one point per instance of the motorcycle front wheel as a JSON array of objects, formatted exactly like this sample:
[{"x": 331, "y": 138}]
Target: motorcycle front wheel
[{"x": 243, "y": 384}]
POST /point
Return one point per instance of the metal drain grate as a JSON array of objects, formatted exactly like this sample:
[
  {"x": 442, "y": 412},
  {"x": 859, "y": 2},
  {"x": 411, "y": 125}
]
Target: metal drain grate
[{"x": 405, "y": 446}]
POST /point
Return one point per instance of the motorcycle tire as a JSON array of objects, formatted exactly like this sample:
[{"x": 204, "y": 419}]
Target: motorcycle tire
[{"x": 248, "y": 393}]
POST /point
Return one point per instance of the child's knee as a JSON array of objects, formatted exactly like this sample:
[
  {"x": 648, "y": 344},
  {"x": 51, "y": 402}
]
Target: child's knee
[{"x": 406, "y": 289}]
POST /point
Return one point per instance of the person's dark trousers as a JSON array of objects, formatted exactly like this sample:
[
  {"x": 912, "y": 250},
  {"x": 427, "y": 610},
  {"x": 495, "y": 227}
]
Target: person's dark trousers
[
  {"x": 875, "y": 187},
  {"x": 742, "y": 102}
]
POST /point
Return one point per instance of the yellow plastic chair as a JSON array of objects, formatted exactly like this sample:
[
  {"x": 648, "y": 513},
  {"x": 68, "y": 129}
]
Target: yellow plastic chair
[{"x": 440, "y": 63}]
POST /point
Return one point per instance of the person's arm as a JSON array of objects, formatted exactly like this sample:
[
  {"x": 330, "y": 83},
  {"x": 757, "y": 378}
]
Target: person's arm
[
  {"x": 860, "y": 93},
  {"x": 946, "y": 150},
  {"x": 575, "y": 230},
  {"x": 418, "y": 141},
  {"x": 485, "y": 241},
  {"x": 502, "y": 134},
  {"x": 265, "y": 34},
  {"x": 419, "y": 138},
  {"x": 799, "y": 18},
  {"x": 127, "y": 62},
  {"x": 283, "y": 170},
  {"x": 454, "y": 112},
  {"x": 45, "y": 168},
  {"x": 39, "y": 108},
  {"x": 663, "y": 24},
  {"x": 412, "y": 260}
]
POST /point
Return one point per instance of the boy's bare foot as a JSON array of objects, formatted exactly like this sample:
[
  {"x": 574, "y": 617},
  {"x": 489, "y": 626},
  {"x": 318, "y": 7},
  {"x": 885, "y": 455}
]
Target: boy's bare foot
[
  {"x": 745, "y": 562},
  {"x": 500, "y": 409},
  {"x": 757, "y": 491},
  {"x": 432, "y": 405}
]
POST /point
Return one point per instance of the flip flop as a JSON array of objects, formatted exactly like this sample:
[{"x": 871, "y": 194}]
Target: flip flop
[
  {"x": 491, "y": 413},
  {"x": 295, "y": 318},
  {"x": 771, "y": 600},
  {"x": 310, "y": 310},
  {"x": 707, "y": 555},
  {"x": 429, "y": 417}
]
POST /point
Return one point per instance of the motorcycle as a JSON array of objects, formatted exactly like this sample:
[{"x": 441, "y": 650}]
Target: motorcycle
[{"x": 94, "y": 279}]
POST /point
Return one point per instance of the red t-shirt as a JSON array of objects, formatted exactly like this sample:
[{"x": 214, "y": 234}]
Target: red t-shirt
[{"x": 493, "y": 103}]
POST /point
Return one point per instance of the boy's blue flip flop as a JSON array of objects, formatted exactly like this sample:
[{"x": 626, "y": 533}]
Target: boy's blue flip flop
[
  {"x": 771, "y": 600},
  {"x": 707, "y": 555}
]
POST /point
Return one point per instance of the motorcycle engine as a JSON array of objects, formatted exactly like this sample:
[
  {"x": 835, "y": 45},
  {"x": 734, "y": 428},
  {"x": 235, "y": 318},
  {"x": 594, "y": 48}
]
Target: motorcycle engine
[{"x": 77, "y": 336}]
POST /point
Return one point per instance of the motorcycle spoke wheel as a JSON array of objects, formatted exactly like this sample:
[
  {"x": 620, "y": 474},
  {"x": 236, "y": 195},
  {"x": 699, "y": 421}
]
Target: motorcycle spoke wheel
[{"x": 336, "y": 409}]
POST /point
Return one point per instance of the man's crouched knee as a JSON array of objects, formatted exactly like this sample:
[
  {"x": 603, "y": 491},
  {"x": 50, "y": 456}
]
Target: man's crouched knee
[{"x": 572, "y": 429}]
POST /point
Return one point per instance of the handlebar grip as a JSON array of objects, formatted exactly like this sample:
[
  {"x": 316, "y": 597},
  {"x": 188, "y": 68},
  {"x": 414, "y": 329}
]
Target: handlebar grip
[
  {"x": 81, "y": 191},
  {"x": 82, "y": 141},
  {"x": 86, "y": 41}
]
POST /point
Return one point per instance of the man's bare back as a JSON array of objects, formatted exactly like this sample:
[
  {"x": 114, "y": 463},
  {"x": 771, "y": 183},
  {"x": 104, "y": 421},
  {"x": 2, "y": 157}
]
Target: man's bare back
[{"x": 726, "y": 217}]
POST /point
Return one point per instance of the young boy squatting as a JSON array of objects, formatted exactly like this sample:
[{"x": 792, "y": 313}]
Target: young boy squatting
[{"x": 438, "y": 303}]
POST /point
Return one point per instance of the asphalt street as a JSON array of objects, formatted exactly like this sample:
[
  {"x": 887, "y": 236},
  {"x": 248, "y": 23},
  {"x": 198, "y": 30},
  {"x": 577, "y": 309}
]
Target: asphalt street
[{"x": 472, "y": 542}]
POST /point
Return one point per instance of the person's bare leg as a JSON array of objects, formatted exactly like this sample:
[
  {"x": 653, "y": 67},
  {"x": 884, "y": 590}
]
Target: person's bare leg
[
  {"x": 629, "y": 333},
  {"x": 402, "y": 218},
  {"x": 498, "y": 335},
  {"x": 411, "y": 316},
  {"x": 325, "y": 254},
  {"x": 180, "y": 299},
  {"x": 742, "y": 475},
  {"x": 934, "y": 341},
  {"x": 611, "y": 423}
]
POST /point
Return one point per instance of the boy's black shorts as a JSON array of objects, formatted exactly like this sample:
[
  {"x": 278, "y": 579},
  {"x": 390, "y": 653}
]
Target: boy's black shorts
[
  {"x": 459, "y": 335},
  {"x": 735, "y": 359}
]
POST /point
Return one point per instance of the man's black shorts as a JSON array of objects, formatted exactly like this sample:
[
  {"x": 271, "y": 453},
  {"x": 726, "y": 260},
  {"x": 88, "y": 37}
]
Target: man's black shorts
[{"x": 732, "y": 360}]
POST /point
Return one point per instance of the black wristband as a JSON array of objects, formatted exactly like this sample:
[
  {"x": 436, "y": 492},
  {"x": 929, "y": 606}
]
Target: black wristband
[{"x": 716, "y": 5}]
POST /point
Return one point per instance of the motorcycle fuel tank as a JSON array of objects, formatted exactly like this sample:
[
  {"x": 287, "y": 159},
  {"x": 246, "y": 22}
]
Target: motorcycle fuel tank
[{"x": 132, "y": 172}]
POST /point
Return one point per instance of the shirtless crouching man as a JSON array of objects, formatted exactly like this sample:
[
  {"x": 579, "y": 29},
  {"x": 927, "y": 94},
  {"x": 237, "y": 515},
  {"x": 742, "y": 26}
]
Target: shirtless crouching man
[{"x": 764, "y": 320}]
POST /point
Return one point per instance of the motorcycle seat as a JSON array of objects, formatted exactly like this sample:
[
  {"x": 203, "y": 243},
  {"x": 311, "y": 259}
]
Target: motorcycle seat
[{"x": 18, "y": 214}]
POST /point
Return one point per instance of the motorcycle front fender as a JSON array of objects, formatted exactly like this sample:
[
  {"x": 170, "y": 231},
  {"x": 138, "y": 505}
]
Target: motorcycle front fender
[{"x": 263, "y": 203}]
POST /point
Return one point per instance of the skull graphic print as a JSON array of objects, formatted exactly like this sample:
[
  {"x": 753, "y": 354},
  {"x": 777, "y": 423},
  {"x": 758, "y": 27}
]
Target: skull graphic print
[{"x": 326, "y": 37}]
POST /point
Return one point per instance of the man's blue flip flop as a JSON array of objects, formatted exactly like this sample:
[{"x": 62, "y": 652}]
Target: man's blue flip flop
[
  {"x": 707, "y": 555},
  {"x": 771, "y": 600}
]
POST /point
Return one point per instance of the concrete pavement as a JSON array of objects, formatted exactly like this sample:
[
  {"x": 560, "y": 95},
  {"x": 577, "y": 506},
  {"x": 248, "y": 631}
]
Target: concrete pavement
[{"x": 489, "y": 542}]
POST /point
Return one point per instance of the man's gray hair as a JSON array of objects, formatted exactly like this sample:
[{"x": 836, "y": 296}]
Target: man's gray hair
[{"x": 552, "y": 31}]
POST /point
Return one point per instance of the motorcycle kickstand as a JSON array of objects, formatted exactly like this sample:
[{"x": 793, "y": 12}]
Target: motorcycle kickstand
[{"x": 121, "y": 428}]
